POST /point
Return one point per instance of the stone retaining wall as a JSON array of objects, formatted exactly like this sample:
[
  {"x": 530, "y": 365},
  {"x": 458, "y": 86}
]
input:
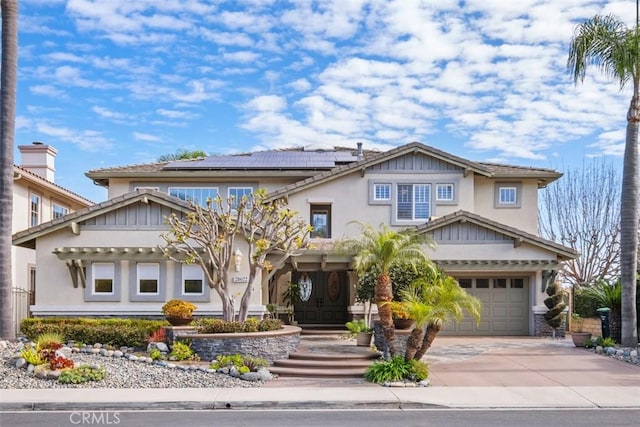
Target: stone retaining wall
[{"x": 270, "y": 345}]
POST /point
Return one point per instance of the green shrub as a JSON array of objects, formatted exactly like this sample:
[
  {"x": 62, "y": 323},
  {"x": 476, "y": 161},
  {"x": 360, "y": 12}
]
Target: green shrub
[
  {"x": 155, "y": 354},
  {"x": 396, "y": 369},
  {"x": 181, "y": 351},
  {"x": 82, "y": 374},
  {"x": 50, "y": 340},
  {"x": 606, "y": 342},
  {"x": 584, "y": 304},
  {"x": 270, "y": 325},
  {"x": 254, "y": 363},
  {"x": 218, "y": 326},
  {"x": 244, "y": 364},
  {"x": 32, "y": 356},
  {"x": 227, "y": 360},
  {"x": 116, "y": 332}
]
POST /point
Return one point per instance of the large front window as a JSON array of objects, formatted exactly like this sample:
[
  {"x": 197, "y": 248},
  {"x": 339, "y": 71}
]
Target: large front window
[
  {"x": 196, "y": 195},
  {"x": 413, "y": 202}
]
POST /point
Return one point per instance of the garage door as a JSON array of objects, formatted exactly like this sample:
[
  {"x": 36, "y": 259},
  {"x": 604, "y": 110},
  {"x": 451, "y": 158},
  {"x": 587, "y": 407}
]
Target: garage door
[{"x": 505, "y": 307}]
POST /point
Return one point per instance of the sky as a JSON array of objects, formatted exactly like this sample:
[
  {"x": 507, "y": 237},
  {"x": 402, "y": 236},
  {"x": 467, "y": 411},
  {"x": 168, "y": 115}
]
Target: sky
[{"x": 119, "y": 82}]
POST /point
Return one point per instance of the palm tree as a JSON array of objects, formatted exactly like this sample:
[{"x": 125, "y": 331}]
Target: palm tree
[
  {"x": 607, "y": 43},
  {"x": 7, "y": 131},
  {"x": 433, "y": 302},
  {"x": 381, "y": 248}
]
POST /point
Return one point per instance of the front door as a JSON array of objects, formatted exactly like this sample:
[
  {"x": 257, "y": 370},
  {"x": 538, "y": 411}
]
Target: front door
[{"x": 328, "y": 299}]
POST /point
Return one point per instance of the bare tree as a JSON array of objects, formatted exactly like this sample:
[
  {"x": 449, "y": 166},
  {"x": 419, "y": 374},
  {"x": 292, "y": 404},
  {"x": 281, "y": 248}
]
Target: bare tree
[
  {"x": 206, "y": 237},
  {"x": 582, "y": 211},
  {"x": 7, "y": 133}
]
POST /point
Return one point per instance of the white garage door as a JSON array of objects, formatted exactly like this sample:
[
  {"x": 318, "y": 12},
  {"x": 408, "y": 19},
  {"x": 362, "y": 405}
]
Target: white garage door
[{"x": 505, "y": 307}]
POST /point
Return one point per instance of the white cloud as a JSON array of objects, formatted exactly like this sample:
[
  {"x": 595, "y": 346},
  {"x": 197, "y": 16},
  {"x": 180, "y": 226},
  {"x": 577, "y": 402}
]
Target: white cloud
[
  {"x": 139, "y": 136},
  {"x": 86, "y": 139},
  {"x": 108, "y": 114},
  {"x": 47, "y": 90}
]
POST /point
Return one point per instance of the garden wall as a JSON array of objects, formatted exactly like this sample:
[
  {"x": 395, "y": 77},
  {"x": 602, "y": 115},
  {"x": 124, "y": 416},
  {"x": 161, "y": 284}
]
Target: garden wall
[{"x": 271, "y": 345}]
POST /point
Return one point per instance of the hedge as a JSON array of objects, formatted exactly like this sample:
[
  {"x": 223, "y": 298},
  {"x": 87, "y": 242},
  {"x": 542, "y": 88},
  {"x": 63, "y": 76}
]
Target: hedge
[
  {"x": 218, "y": 326},
  {"x": 116, "y": 332}
]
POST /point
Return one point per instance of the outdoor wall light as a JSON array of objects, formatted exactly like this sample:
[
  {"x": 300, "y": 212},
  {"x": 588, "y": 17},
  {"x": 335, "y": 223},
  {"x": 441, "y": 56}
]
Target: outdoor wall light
[{"x": 237, "y": 259}]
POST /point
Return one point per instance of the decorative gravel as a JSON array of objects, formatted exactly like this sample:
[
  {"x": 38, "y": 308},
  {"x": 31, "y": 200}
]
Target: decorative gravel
[{"x": 121, "y": 373}]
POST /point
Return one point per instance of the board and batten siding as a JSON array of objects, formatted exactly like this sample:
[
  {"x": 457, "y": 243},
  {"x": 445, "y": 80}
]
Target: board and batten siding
[
  {"x": 467, "y": 232},
  {"x": 135, "y": 215},
  {"x": 414, "y": 162}
]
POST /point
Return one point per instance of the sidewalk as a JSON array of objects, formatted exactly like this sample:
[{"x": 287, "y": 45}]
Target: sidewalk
[{"x": 465, "y": 373}]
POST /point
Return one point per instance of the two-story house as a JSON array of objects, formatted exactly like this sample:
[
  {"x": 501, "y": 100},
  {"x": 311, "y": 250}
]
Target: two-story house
[
  {"x": 104, "y": 260},
  {"x": 37, "y": 199}
]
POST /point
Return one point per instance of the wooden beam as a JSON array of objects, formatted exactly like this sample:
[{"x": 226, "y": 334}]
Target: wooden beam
[
  {"x": 75, "y": 227},
  {"x": 73, "y": 271}
]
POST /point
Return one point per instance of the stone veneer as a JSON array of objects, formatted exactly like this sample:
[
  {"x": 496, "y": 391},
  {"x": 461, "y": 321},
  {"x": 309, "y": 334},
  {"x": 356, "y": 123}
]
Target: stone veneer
[
  {"x": 544, "y": 330},
  {"x": 271, "y": 345}
]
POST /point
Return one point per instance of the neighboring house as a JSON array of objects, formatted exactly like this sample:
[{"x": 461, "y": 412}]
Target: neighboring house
[
  {"x": 36, "y": 200},
  {"x": 103, "y": 260}
]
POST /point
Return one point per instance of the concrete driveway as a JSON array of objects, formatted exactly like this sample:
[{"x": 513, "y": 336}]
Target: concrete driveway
[{"x": 523, "y": 361}]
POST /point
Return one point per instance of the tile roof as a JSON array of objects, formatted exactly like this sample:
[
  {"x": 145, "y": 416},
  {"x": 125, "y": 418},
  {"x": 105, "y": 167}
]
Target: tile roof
[
  {"x": 37, "y": 178},
  {"x": 27, "y": 237}
]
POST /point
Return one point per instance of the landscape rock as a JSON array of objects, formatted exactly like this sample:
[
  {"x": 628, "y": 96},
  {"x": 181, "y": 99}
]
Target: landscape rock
[
  {"x": 162, "y": 347},
  {"x": 20, "y": 362},
  {"x": 251, "y": 376}
]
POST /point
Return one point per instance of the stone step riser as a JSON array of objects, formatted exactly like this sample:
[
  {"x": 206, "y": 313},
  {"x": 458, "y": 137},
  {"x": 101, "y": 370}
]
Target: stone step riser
[
  {"x": 311, "y": 373},
  {"x": 321, "y": 364}
]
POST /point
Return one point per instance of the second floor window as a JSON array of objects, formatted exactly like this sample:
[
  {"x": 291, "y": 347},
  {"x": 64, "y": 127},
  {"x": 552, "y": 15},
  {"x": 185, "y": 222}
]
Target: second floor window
[
  {"x": 413, "y": 202},
  {"x": 321, "y": 221},
  {"x": 34, "y": 210},
  {"x": 59, "y": 211},
  {"x": 382, "y": 192},
  {"x": 196, "y": 195},
  {"x": 238, "y": 192},
  {"x": 444, "y": 192},
  {"x": 507, "y": 195}
]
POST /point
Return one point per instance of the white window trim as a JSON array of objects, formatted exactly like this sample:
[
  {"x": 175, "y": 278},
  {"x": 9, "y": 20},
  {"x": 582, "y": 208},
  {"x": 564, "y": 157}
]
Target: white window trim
[
  {"x": 39, "y": 209},
  {"x": 375, "y": 192},
  {"x": 517, "y": 189},
  {"x": 203, "y": 202},
  {"x": 58, "y": 205},
  {"x": 238, "y": 188},
  {"x": 413, "y": 218},
  {"x": 95, "y": 268},
  {"x": 186, "y": 276},
  {"x": 447, "y": 184},
  {"x": 153, "y": 275}
]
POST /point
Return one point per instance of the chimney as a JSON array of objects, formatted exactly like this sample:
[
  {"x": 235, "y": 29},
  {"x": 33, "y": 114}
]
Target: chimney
[
  {"x": 39, "y": 159},
  {"x": 359, "y": 145}
]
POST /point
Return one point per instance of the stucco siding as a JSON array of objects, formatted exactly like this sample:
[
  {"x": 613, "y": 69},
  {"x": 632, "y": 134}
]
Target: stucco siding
[{"x": 524, "y": 217}]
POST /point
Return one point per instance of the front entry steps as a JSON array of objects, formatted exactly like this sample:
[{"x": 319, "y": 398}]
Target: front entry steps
[{"x": 325, "y": 354}]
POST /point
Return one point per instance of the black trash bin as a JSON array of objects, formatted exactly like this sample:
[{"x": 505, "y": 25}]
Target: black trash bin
[{"x": 604, "y": 320}]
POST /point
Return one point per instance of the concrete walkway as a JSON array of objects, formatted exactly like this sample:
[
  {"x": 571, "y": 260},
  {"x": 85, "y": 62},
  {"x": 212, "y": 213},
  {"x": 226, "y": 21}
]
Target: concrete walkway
[{"x": 465, "y": 373}]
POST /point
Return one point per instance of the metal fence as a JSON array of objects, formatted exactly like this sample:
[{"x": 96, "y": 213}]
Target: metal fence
[{"x": 21, "y": 301}]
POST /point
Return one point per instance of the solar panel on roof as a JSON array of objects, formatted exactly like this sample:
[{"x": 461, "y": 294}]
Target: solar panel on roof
[{"x": 270, "y": 159}]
